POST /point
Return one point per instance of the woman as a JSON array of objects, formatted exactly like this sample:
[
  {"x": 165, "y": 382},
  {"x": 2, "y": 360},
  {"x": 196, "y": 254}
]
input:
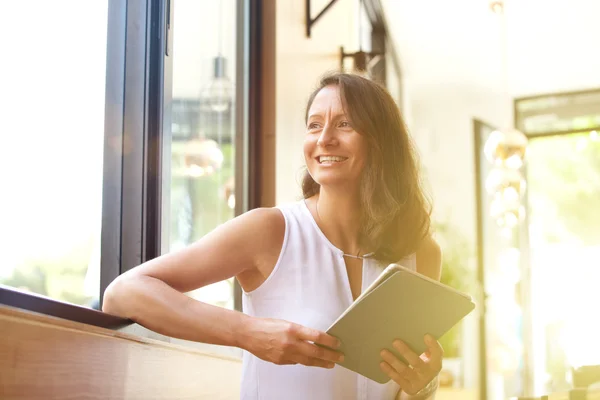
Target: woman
[{"x": 302, "y": 264}]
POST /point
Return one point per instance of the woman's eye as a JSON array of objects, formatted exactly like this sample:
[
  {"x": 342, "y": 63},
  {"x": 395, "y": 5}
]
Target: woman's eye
[
  {"x": 313, "y": 125},
  {"x": 344, "y": 124}
]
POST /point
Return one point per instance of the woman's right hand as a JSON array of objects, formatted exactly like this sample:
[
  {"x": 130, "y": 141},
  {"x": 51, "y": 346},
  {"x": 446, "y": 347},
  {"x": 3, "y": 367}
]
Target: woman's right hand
[{"x": 284, "y": 343}]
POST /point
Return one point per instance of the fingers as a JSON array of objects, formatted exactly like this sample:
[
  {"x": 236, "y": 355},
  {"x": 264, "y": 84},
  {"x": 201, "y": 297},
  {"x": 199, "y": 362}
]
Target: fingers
[
  {"x": 313, "y": 351},
  {"x": 413, "y": 358},
  {"x": 316, "y": 336},
  {"x": 420, "y": 370},
  {"x": 304, "y": 352},
  {"x": 399, "y": 378},
  {"x": 436, "y": 352},
  {"x": 397, "y": 365},
  {"x": 311, "y": 362},
  {"x": 307, "y": 354}
]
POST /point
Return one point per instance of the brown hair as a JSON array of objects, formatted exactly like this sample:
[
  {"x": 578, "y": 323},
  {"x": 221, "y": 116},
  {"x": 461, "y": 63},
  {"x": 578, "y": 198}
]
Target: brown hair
[{"x": 396, "y": 212}]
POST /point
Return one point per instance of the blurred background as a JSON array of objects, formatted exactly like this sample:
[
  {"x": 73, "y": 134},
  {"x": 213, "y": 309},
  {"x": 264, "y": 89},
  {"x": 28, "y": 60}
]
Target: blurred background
[{"x": 502, "y": 99}]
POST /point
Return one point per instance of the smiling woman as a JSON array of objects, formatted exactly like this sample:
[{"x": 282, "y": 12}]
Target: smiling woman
[
  {"x": 362, "y": 209},
  {"x": 362, "y": 122}
]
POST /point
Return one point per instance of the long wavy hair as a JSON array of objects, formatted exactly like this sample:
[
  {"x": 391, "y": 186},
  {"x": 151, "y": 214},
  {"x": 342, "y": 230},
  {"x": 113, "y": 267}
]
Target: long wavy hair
[{"x": 395, "y": 210}]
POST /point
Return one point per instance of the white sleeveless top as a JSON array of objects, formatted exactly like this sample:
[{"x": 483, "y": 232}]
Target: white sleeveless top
[{"x": 308, "y": 286}]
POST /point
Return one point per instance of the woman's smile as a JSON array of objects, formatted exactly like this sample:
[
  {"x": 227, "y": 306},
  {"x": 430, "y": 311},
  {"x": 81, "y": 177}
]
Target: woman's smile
[{"x": 329, "y": 160}]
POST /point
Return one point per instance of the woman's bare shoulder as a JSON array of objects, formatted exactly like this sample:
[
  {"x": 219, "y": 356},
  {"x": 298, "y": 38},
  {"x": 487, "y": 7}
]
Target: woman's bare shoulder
[
  {"x": 429, "y": 258},
  {"x": 242, "y": 245},
  {"x": 265, "y": 225},
  {"x": 265, "y": 228}
]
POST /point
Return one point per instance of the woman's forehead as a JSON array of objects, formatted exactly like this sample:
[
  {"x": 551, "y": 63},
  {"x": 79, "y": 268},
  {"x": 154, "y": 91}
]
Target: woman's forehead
[{"x": 327, "y": 100}]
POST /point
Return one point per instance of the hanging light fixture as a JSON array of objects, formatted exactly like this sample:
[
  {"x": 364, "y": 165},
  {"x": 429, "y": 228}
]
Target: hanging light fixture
[
  {"x": 362, "y": 60},
  {"x": 497, "y": 6},
  {"x": 218, "y": 95},
  {"x": 506, "y": 186},
  {"x": 507, "y": 182},
  {"x": 505, "y": 149},
  {"x": 506, "y": 212}
]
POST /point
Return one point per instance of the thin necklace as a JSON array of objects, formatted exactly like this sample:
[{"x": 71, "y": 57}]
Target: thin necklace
[{"x": 357, "y": 256}]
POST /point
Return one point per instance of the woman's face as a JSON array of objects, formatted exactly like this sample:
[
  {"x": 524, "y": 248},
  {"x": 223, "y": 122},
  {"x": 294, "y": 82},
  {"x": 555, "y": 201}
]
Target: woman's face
[{"x": 334, "y": 152}]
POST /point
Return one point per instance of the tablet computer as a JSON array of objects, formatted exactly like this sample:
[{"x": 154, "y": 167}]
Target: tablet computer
[{"x": 399, "y": 304}]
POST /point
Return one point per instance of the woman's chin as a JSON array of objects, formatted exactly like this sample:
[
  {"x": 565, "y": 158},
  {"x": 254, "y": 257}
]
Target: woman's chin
[{"x": 334, "y": 180}]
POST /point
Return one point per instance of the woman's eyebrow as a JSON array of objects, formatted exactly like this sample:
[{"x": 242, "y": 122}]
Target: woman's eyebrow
[
  {"x": 333, "y": 116},
  {"x": 339, "y": 116}
]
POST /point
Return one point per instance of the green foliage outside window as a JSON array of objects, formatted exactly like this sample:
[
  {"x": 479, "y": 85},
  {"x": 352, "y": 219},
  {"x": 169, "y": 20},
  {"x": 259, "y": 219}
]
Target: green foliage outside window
[{"x": 457, "y": 273}]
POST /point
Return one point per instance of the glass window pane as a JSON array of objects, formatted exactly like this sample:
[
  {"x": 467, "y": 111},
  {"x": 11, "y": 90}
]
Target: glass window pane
[
  {"x": 564, "y": 233},
  {"x": 52, "y": 127},
  {"x": 562, "y": 112},
  {"x": 202, "y": 171}
]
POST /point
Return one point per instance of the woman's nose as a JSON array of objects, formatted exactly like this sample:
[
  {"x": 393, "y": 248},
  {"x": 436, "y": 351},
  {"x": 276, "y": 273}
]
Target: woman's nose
[{"x": 327, "y": 137}]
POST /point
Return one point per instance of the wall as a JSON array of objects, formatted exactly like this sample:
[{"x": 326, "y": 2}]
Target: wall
[
  {"x": 452, "y": 72},
  {"x": 301, "y": 61},
  {"x": 454, "y": 69},
  {"x": 553, "y": 46}
]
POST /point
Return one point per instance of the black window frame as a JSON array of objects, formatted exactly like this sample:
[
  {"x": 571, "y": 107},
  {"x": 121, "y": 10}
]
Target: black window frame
[
  {"x": 137, "y": 132},
  {"x": 381, "y": 44}
]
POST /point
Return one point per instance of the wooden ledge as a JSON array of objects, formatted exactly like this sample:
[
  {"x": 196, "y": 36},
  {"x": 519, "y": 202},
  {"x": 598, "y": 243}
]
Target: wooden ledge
[{"x": 44, "y": 357}]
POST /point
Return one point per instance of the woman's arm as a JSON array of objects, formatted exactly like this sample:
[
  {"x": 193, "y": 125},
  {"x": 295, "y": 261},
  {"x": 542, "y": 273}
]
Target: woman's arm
[
  {"x": 152, "y": 294},
  {"x": 248, "y": 246}
]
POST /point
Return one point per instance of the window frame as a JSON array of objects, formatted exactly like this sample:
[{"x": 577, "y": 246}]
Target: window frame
[
  {"x": 381, "y": 43},
  {"x": 478, "y": 127},
  {"x": 137, "y": 139},
  {"x": 518, "y": 118},
  {"x": 524, "y": 243},
  {"x": 113, "y": 143},
  {"x": 133, "y": 136},
  {"x": 119, "y": 113}
]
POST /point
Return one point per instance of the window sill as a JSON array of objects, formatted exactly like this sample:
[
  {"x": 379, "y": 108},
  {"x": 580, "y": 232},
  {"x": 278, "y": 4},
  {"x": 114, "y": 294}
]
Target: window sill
[{"x": 44, "y": 305}]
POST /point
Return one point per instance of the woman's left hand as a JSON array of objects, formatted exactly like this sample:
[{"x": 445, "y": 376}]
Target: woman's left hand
[{"x": 421, "y": 369}]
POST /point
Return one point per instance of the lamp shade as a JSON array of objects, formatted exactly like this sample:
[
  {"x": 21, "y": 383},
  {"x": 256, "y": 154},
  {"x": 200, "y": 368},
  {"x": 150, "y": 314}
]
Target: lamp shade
[
  {"x": 506, "y": 148},
  {"x": 505, "y": 181},
  {"x": 218, "y": 95}
]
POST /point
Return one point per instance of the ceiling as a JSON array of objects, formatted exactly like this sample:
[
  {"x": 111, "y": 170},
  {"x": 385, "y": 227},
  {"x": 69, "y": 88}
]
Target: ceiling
[{"x": 551, "y": 45}]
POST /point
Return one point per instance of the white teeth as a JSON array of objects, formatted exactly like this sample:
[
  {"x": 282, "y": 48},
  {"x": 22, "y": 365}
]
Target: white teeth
[{"x": 323, "y": 159}]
